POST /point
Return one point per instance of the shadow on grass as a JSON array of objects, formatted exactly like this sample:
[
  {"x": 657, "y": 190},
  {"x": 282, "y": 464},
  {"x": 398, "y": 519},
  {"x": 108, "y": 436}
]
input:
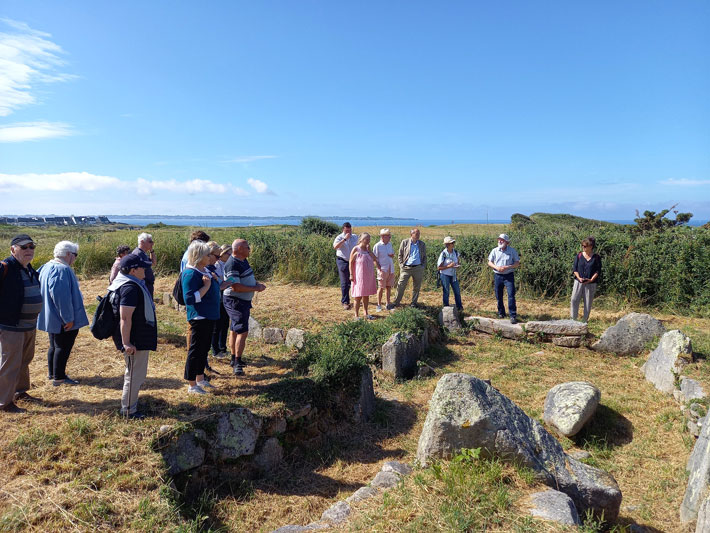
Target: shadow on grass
[
  {"x": 176, "y": 339},
  {"x": 608, "y": 429}
]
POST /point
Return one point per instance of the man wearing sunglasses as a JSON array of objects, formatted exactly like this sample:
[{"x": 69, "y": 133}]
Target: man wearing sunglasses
[{"x": 20, "y": 303}]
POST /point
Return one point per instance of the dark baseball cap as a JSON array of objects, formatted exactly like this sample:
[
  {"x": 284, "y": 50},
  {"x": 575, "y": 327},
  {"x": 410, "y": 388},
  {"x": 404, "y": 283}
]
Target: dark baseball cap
[
  {"x": 133, "y": 261},
  {"x": 22, "y": 238}
]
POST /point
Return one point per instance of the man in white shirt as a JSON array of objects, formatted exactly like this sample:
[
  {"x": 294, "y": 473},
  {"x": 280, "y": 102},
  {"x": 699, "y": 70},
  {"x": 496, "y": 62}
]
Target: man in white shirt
[
  {"x": 504, "y": 259},
  {"x": 385, "y": 274},
  {"x": 343, "y": 244}
]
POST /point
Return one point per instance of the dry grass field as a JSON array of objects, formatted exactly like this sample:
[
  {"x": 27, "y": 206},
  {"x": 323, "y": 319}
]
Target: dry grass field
[{"x": 72, "y": 464}]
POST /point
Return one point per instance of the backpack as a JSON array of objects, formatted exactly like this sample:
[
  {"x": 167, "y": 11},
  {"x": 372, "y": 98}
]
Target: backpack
[
  {"x": 177, "y": 290},
  {"x": 106, "y": 318}
]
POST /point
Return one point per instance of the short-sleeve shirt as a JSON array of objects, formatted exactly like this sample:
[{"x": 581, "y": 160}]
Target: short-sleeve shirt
[
  {"x": 506, "y": 257},
  {"x": 382, "y": 251},
  {"x": 239, "y": 271},
  {"x": 344, "y": 251},
  {"x": 143, "y": 335},
  {"x": 447, "y": 257}
]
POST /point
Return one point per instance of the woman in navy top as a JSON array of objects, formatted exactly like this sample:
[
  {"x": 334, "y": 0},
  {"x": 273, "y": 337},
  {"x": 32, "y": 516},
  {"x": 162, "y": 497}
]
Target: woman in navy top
[
  {"x": 200, "y": 288},
  {"x": 587, "y": 269}
]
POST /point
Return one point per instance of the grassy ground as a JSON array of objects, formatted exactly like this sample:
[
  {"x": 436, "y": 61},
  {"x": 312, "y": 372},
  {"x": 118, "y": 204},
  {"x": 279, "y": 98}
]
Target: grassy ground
[{"x": 70, "y": 463}]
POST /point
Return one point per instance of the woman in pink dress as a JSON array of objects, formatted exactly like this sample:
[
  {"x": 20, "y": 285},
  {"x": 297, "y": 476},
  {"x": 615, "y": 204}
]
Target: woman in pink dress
[{"x": 362, "y": 274}]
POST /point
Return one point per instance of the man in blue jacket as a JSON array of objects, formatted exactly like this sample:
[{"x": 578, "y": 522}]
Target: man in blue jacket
[{"x": 20, "y": 303}]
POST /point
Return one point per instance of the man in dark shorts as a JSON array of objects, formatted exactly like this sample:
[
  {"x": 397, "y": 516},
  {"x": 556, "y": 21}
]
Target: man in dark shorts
[{"x": 237, "y": 299}]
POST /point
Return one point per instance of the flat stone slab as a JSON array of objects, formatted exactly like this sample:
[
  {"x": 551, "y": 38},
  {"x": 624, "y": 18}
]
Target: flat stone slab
[
  {"x": 554, "y": 506},
  {"x": 568, "y": 406},
  {"x": 667, "y": 361},
  {"x": 397, "y": 467},
  {"x": 501, "y": 326},
  {"x": 630, "y": 334},
  {"x": 568, "y": 341},
  {"x": 557, "y": 327}
]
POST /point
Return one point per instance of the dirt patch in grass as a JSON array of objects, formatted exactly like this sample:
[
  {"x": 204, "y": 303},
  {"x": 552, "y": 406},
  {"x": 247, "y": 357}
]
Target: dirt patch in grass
[{"x": 71, "y": 463}]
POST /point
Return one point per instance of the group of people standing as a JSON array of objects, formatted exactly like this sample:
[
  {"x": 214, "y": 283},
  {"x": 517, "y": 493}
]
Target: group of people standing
[
  {"x": 218, "y": 286},
  {"x": 357, "y": 264}
]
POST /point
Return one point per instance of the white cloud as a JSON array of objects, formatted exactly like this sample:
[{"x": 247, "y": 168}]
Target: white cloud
[
  {"x": 27, "y": 58},
  {"x": 684, "y": 182},
  {"x": 32, "y": 131},
  {"x": 259, "y": 186},
  {"x": 63, "y": 181},
  {"x": 250, "y": 158},
  {"x": 85, "y": 181},
  {"x": 195, "y": 186}
]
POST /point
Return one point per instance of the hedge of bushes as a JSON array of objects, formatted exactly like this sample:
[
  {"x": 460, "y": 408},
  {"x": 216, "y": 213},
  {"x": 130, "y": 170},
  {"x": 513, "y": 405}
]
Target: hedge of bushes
[{"x": 669, "y": 268}]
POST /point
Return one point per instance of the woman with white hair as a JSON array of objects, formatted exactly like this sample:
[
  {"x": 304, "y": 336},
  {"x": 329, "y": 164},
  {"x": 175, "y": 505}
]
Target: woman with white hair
[
  {"x": 200, "y": 288},
  {"x": 62, "y": 311}
]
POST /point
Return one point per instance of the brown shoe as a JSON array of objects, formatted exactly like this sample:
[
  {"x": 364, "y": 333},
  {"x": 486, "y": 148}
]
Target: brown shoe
[
  {"x": 347, "y": 307},
  {"x": 12, "y": 408},
  {"x": 26, "y": 397}
]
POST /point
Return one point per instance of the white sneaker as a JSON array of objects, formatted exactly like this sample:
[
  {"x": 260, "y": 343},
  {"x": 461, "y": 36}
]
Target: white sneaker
[
  {"x": 378, "y": 308},
  {"x": 205, "y": 385},
  {"x": 195, "y": 389}
]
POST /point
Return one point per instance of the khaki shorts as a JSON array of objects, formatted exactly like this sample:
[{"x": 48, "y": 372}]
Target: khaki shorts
[{"x": 385, "y": 279}]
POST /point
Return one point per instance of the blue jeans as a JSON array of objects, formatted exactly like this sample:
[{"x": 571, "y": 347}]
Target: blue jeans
[
  {"x": 507, "y": 281},
  {"x": 447, "y": 281}
]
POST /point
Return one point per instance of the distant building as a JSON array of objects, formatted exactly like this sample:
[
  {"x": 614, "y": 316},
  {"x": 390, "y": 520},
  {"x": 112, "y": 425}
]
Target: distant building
[{"x": 55, "y": 221}]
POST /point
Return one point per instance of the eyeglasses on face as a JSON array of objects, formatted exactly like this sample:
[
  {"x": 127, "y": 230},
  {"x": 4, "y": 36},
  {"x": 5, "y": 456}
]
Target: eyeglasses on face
[{"x": 30, "y": 246}]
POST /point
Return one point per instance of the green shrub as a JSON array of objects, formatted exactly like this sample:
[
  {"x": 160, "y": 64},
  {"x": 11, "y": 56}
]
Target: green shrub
[{"x": 319, "y": 226}]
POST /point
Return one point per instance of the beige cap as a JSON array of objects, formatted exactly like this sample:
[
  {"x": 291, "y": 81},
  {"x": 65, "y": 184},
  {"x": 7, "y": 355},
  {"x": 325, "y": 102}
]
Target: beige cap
[
  {"x": 449, "y": 240},
  {"x": 225, "y": 248},
  {"x": 504, "y": 236},
  {"x": 385, "y": 231}
]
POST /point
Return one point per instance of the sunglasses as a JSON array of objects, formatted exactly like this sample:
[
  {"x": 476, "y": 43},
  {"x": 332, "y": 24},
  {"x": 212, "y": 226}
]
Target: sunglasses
[
  {"x": 74, "y": 254},
  {"x": 30, "y": 246},
  {"x": 216, "y": 255}
]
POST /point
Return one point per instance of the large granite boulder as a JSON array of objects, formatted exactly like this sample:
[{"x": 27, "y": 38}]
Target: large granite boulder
[
  {"x": 269, "y": 455},
  {"x": 666, "y": 362},
  {"x": 466, "y": 412},
  {"x": 237, "y": 433},
  {"x": 698, "y": 468},
  {"x": 450, "y": 318},
  {"x": 495, "y": 326},
  {"x": 554, "y": 506},
  {"x": 630, "y": 334},
  {"x": 557, "y": 327},
  {"x": 568, "y": 406}
]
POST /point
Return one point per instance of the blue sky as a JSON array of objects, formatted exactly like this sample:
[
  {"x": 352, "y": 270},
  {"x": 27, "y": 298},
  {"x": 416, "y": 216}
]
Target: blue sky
[{"x": 418, "y": 109}]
